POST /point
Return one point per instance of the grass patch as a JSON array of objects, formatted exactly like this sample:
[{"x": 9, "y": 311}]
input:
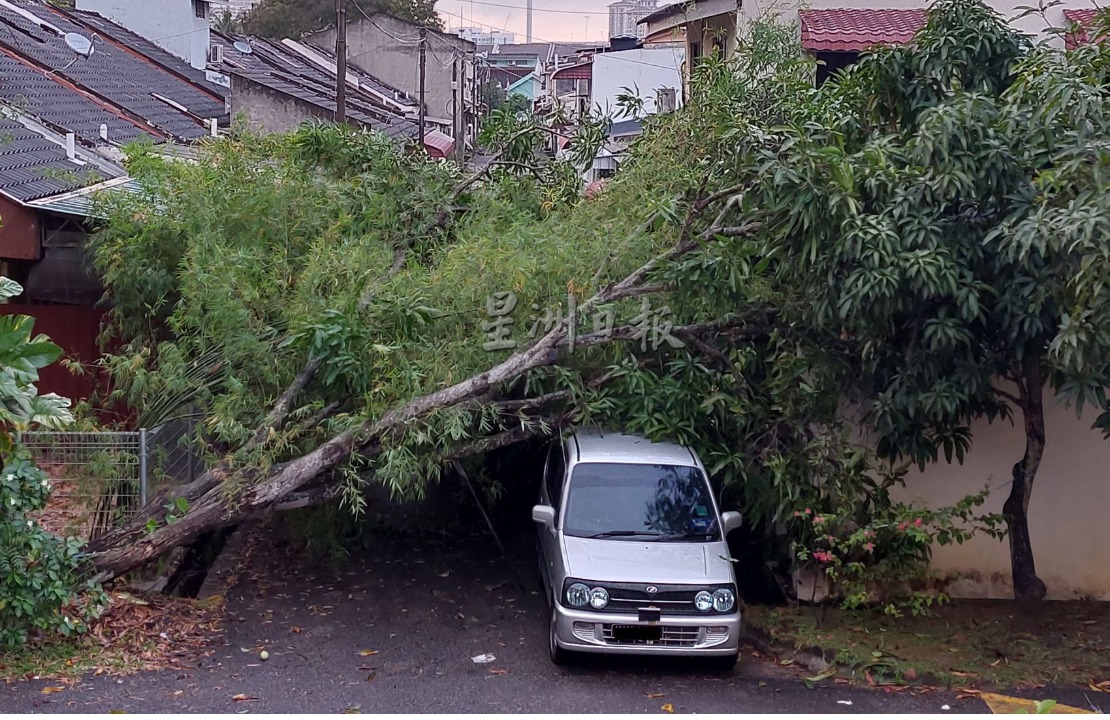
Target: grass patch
[
  {"x": 965, "y": 644},
  {"x": 65, "y": 660}
]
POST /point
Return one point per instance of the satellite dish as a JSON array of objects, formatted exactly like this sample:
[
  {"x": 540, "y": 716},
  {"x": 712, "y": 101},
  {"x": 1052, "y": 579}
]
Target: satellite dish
[
  {"x": 243, "y": 46},
  {"x": 79, "y": 44}
]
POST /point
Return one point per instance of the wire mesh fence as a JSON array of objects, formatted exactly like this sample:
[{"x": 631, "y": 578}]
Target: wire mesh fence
[{"x": 101, "y": 479}]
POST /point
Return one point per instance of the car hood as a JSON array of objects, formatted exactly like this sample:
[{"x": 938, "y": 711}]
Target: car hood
[{"x": 629, "y": 561}]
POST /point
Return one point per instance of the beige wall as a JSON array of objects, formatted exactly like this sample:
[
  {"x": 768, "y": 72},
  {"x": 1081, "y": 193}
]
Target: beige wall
[{"x": 1069, "y": 512}]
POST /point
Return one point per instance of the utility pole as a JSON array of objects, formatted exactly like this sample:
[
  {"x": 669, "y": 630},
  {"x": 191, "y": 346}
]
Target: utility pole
[
  {"x": 456, "y": 114},
  {"x": 341, "y": 61},
  {"x": 528, "y": 9},
  {"x": 423, "y": 63}
]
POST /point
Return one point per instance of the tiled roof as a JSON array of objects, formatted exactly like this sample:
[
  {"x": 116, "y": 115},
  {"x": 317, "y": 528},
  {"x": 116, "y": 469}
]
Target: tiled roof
[
  {"x": 438, "y": 144},
  {"x": 148, "y": 49},
  {"x": 278, "y": 68},
  {"x": 857, "y": 29},
  {"x": 31, "y": 166},
  {"x": 60, "y": 106},
  {"x": 113, "y": 75},
  {"x": 1082, "y": 19},
  {"x": 581, "y": 71}
]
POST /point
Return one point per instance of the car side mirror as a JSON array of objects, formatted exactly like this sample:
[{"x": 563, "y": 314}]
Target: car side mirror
[
  {"x": 730, "y": 521},
  {"x": 544, "y": 514}
]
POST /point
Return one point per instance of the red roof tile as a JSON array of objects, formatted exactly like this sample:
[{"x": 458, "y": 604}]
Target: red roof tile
[
  {"x": 439, "y": 144},
  {"x": 857, "y": 29},
  {"x": 581, "y": 71},
  {"x": 1082, "y": 18}
]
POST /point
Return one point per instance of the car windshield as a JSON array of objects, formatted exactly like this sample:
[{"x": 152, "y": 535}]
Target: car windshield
[{"x": 664, "y": 503}]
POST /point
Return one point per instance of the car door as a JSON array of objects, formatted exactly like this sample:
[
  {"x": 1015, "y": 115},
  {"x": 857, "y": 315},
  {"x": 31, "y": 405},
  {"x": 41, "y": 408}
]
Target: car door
[{"x": 551, "y": 494}]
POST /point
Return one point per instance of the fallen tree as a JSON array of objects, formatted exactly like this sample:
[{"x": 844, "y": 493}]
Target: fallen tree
[{"x": 897, "y": 240}]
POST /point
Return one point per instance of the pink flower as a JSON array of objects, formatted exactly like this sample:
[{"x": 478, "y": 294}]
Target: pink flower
[
  {"x": 823, "y": 556},
  {"x": 818, "y": 520},
  {"x": 869, "y": 533},
  {"x": 902, "y": 526},
  {"x": 808, "y": 511},
  {"x": 918, "y": 522},
  {"x": 870, "y": 546},
  {"x": 830, "y": 538},
  {"x": 796, "y": 513}
]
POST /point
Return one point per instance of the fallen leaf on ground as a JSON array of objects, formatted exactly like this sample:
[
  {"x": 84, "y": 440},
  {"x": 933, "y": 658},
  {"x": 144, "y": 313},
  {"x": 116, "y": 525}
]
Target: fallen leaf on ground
[
  {"x": 295, "y": 630},
  {"x": 654, "y": 696},
  {"x": 667, "y": 708},
  {"x": 52, "y": 689},
  {"x": 498, "y": 671},
  {"x": 178, "y": 693},
  {"x": 241, "y": 697},
  {"x": 483, "y": 659},
  {"x": 910, "y": 674},
  {"x": 367, "y": 653},
  {"x": 371, "y": 676},
  {"x": 963, "y": 674},
  {"x": 843, "y": 702},
  {"x": 1103, "y": 686}
]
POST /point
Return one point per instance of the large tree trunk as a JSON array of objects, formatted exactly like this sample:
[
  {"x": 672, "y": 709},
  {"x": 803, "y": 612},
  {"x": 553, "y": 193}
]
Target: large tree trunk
[
  {"x": 1028, "y": 588},
  {"x": 212, "y": 504}
]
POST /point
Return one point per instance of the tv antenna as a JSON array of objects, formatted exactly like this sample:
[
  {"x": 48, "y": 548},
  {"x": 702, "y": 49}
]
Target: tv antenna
[
  {"x": 243, "y": 47},
  {"x": 80, "y": 45}
]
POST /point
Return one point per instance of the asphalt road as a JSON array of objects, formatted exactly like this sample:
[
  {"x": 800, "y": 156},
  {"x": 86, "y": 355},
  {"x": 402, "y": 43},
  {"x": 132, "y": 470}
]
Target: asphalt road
[{"x": 426, "y": 604}]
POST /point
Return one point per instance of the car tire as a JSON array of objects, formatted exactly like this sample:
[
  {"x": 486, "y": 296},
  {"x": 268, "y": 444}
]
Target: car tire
[{"x": 559, "y": 656}]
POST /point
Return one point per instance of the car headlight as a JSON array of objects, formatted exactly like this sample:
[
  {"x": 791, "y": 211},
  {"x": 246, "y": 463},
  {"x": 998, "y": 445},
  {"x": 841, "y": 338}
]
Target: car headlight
[
  {"x": 599, "y": 598},
  {"x": 723, "y": 600},
  {"x": 703, "y": 601},
  {"x": 578, "y": 595}
]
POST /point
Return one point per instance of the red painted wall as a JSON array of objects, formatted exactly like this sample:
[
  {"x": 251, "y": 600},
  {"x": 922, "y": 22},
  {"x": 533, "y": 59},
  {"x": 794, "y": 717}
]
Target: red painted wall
[{"x": 74, "y": 329}]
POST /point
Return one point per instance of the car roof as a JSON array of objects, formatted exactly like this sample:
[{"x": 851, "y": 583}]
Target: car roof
[{"x": 602, "y": 446}]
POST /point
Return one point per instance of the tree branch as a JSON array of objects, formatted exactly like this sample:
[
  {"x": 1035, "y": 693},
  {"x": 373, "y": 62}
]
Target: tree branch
[{"x": 1008, "y": 396}]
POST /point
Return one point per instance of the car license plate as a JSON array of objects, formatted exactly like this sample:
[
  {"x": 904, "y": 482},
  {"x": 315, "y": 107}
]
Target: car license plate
[
  {"x": 633, "y": 633},
  {"x": 650, "y": 614}
]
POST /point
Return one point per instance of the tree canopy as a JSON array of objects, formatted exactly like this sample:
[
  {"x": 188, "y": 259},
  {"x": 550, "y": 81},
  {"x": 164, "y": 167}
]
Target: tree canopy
[
  {"x": 296, "y": 18},
  {"x": 903, "y": 241}
]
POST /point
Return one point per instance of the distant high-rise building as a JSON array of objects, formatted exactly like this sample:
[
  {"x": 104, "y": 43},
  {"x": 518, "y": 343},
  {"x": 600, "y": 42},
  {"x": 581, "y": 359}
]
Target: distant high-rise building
[
  {"x": 624, "y": 14},
  {"x": 478, "y": 36},
  {"x": 238, "y": 7}
]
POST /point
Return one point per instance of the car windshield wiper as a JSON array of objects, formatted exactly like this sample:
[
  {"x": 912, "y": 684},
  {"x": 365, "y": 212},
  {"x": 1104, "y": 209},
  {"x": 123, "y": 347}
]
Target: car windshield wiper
[
  {"x": 692, "y": 535},
  {"x": 624, "y": 533}
]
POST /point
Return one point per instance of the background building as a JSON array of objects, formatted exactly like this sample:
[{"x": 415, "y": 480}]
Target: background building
[
  {"x": 478, "y": 36},
  {"x": 625, "y": 14}
]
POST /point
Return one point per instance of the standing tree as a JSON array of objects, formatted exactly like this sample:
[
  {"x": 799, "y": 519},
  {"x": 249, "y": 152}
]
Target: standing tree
[
  {"x": 945, "y": 206},
  {"x": 295, "y": 18}
]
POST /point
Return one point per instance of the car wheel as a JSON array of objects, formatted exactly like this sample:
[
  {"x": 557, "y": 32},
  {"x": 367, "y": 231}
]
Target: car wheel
[{"x": 559, "y": 656}]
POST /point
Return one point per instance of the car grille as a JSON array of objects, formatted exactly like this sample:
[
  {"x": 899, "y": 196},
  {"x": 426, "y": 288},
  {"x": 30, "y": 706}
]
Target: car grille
[{"x": 673, "y": 636}]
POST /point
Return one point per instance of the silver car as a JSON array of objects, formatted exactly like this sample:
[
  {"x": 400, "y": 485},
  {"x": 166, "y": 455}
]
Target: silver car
[{"x": 632, "y": 551}]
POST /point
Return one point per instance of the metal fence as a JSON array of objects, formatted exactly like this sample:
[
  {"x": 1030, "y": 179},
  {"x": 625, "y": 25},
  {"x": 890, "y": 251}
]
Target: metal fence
[{"x": 102, "y": 479}]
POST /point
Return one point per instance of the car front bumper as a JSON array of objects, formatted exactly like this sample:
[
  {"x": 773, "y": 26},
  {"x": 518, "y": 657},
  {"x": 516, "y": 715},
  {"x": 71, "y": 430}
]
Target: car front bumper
[{"x": 592, "y": 632}]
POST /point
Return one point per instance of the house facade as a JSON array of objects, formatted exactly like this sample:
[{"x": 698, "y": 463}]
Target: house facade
[
  {"x": 179, "y": 27},
  {"x": 389, "y": 49},
  {"x": 64, "y": 120},
  {"x": 835, "y": 31}
]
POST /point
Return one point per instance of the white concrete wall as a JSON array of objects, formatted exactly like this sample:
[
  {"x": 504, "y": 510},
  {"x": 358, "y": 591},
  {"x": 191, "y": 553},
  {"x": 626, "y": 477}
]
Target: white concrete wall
[
  {"x": 169, "y": 24},
  {"x": 643, "y": 71},
  {"x": 1069, "y": 513}
]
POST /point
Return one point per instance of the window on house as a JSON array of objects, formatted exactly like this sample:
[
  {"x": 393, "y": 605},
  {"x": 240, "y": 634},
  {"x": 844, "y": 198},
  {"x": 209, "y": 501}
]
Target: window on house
[{"x": 200, "y": 9}]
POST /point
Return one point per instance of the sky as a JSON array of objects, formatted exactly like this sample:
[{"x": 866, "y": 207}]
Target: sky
[{"x": 551, "y": 19}]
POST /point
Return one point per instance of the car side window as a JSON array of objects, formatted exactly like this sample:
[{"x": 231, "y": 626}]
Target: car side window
[{"x": 556, "y": 469}]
